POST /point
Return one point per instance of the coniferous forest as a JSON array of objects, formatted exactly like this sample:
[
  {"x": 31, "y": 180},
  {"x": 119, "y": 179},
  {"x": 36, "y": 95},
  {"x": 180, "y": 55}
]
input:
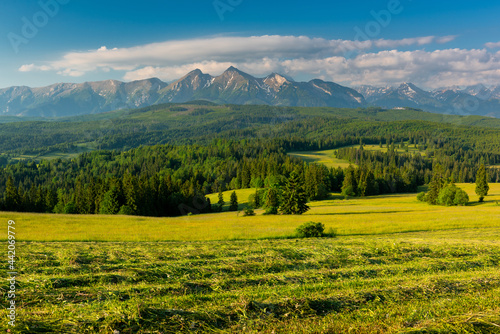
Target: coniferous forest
[{"x": 163, "y": 172}]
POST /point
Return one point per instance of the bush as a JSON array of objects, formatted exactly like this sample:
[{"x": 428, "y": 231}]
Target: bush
[
  {"x": 70, "y": 208},
  {"x": 461, "y": 198},
  {"x": 271, "y": 211},
  {"x": 421, "y": 197},
  {"x": 310, "y": 230},
  {"x": 248, "y": 212},
  {"x": 452, "y": 195},
  {"x": 126, "y": 210}
]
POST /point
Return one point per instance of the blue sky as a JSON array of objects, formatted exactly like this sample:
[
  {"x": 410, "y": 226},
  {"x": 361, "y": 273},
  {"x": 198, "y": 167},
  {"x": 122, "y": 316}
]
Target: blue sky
[{"x": 431, "y": 43}]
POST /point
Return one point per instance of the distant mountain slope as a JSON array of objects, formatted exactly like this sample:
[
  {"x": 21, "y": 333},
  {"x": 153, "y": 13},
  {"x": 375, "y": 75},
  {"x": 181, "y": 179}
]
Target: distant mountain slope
[
  {"x": 233, "y": 87},
  {"x": 237, "y": 87},
  {"x": 77, "y": 99},
  {"x": 473, "y": 100}
]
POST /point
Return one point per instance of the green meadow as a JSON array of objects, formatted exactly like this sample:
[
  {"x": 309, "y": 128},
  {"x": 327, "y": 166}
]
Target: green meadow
[
  {"x": 329, "y": 159},
  {"x": 356, "y": 216},
  {"x": 325, "y": 157},
  {"x": 396, "y": 266}
]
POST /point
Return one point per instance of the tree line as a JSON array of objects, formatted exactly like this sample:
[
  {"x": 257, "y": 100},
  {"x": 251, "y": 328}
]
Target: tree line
[{"x": 170, "y": 180}]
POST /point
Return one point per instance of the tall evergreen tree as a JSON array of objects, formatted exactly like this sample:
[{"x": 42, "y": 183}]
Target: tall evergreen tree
[
  {"x": 294, "y": 196},
  {"x": 350, "y": 184},
  {"x": 221, "y": 200},
  {"x": 437, "y": 183},
  {"x": 110, "y": 204},
  {"x": 482, "y": 186},
  {"x": 256, "y": 200},
  {"x": 11, "y": 200},
  {"x": 272, "y": 201},
  {"x": 233, "y": 206},
  {"x": 130, "y": 191}
]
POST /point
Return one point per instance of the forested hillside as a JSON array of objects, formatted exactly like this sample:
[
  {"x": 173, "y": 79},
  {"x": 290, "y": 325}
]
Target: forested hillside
[
  {"x": 162, "y": 162},
  {"x": 201, "y": 122}
]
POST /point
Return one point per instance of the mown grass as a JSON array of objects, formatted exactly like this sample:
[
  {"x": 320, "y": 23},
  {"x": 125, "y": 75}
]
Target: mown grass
[
  {"x": 421, "y": 282},
  {"x": 358, "y": 216}
]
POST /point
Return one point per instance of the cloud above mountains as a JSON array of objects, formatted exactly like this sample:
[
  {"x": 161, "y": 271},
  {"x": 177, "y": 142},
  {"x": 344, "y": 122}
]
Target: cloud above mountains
[{"x": 376, "y": 62}]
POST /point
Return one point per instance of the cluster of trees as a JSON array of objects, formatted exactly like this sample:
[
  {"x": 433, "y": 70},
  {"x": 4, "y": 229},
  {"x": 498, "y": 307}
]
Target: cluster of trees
[
  {"x": 290, "y": 198},
  {"x": 448, "y": 194},
  {"x": 443, "y": 191},
  {"x": 162, "y": 180},
  {"x": 382, "y": 173}
]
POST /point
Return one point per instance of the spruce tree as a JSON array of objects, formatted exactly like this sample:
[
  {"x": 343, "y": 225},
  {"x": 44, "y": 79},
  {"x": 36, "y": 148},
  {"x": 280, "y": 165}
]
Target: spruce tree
[
  {"x": 294, "y": 196},
  {"x": 272, "y": 201},
  {"x": 233, "y": 206},
  {"x": 221, "y": 200},
  {"x": 257, "y": 203},
  {"x": 110, "y": 204},
  {"x": 11, "y": 200},
  {"x": 130, "y": 191},
  {"x": 350, "y": 184},
  {"x": 437, "y": 183},
  {"x": 482, "y": 186}
]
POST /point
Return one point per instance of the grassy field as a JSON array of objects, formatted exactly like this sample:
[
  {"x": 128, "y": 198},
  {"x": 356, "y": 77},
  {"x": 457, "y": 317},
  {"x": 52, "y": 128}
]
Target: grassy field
[
  {"x": 242, "y": 195},
  {"x": 357, "y": 216},
  {"x": 329, "y": 159},
  {"x": 420, "y": 282},
  {"x": 326, "y": 158},
  {"x": 396, "y": 266},
  {"x": 411, "y": 149}
]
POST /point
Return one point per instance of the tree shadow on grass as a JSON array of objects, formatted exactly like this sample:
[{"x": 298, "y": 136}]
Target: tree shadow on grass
[{"x": 361, "y": 213}]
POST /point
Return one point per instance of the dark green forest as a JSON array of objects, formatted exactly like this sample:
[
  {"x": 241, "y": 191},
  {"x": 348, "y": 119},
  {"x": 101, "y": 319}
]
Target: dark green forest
[{"x": 163, "y": 160}]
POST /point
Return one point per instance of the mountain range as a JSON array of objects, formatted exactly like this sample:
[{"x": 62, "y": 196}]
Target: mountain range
[{"x": 236, "y": 87}]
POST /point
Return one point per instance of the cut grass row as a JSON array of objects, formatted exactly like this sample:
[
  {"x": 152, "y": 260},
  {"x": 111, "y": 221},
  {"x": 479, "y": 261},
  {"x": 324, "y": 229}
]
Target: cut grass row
[{"x": 422, "y": 282}]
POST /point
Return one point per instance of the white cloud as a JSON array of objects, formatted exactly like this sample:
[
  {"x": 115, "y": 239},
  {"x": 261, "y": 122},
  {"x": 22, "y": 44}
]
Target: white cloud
[
  {"x": 493, "y": 45},
  {"x": 376, "y": 62},
  {"x": 219, "y": 49},
  {"x": 33, "y": 67},
  {"x": 428, "y": 69},
  {"x": 445, "y": 39}
]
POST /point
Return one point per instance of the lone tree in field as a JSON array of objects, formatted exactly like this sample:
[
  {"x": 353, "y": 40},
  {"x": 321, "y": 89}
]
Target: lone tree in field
[
  {"x": 233, "y": 206},
  {"x": 221, "y": 200},
  {"x": 294, "y": 196},
  {"x": 482, "y": 186}
]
